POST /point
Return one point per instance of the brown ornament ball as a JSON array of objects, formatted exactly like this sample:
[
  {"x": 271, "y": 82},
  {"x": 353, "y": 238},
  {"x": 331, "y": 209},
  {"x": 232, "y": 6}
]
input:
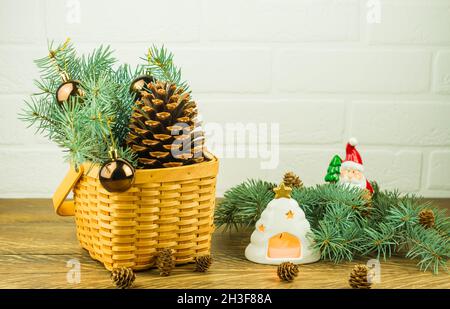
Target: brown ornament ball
[
  {"x": 139, "y": 82},
  {"x": 68, "y": 89},
  {"x": 116, "y": 175}
]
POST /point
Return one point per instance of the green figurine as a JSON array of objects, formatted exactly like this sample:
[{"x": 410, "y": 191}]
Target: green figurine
[{"x": 334, "y": 169}]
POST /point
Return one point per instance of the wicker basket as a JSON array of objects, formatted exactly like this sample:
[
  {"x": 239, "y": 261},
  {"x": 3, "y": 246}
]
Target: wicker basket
[{"x": 165, "y": 208}]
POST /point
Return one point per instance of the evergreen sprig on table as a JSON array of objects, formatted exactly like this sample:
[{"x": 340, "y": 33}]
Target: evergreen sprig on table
[
  {"x": 86, "y": 125},
  {"x": 344, "y": 226},
  {"x": 244, "y": 203}
]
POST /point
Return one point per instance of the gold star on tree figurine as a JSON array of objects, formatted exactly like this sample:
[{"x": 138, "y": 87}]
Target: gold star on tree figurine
[
  {"x": 282, "y": 191},
  {"x": 289, "y": 215}
]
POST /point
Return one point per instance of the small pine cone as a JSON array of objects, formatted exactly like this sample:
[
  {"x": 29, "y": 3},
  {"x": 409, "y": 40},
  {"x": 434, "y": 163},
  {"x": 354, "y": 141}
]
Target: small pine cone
[
  {"x": 202, "y": 263},
  {"x": 123, "y": 277},
  {"x": 165, "y": 262},
  {"x": 359, "y": 277},
  {"x": 426, "y": 218},
  {"x": 292, "y": 180},
  {"x": 287, "y": 271},
  {"x": 367, "y": 196}
]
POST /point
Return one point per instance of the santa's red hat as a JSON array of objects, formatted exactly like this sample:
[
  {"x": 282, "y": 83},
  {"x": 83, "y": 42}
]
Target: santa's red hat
[{"x": 352, "y": 156}]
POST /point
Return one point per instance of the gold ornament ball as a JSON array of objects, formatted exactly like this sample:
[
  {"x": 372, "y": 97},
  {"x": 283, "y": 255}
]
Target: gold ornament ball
[
  {"x": 139, "y": 82},
  {"x": 116, "y": 175},
  {"x": 68, "y": 89}
]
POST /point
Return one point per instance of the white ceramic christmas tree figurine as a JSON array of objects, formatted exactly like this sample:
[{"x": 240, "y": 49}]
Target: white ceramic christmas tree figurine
[{"x": 280, "y": 234}]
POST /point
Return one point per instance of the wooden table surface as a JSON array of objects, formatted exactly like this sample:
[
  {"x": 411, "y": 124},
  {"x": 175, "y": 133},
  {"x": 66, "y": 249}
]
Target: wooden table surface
[{"x": 36, "y": 244}]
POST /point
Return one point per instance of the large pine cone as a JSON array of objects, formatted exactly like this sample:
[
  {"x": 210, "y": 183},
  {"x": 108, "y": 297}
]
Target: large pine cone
[
  {"x": 164, "y": 131},
  {"x": 426, "y": 218},
  {"x": 359, "y": 277},
  {"x": 287, "y": 271},
  {"x": 202, "y": 263},
  {"x": 165, "y": 262},
  {"x": 292, "y": 180},
  {"x": 123, "y": 277}
]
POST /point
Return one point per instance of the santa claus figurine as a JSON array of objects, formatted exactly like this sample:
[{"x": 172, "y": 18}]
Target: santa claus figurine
[{"x": 352, "y": 169}]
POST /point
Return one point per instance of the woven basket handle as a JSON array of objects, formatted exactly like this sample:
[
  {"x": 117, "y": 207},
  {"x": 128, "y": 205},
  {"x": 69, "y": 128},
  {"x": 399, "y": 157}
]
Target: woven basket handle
[{"x": 63, "y": 207}]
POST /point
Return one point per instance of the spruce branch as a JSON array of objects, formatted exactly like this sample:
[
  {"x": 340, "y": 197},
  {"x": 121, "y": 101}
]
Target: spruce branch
[
  {"x": 74, "y": 125},
  {"x": 160, "y": 65},
  {"x": 331, "y": 244},
  {"x": 36, "y": 113},
  {"x": 62, "y": 69},
  {"x": 47, "y": 87},
  {"x": 382, "y": 201},
  {"x": 244, "y": 203},
  {"x": 380, "y": 240},
  {"x": 403, "y": 216},
  {"x": 60, "y": 61},
  {"x": 441, "y": 221},
  {"x": 340, "y": 215},
  {"x": 123, "y": 77},
  {"x": 430, "y": 247},
  {"x": 314, "y": 200},
  {"x": 97, "y": 63}
]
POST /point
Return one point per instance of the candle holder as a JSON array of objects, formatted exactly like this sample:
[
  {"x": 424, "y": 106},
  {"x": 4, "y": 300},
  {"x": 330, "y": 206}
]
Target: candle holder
[{"x": 280, "y": 233}]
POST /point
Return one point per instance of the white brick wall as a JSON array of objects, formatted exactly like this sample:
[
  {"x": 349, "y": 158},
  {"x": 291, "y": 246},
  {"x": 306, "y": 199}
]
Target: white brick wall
[
  {"x": 412, "y": 22},
  {"x": 441, "y": 73},
  {"x": 349, "y": 70},
  {"x": 316, "y": 67},
  {"x": 282, "y": 21}
]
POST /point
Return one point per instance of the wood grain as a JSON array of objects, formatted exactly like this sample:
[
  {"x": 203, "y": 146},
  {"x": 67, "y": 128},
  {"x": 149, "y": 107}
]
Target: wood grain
[{"x": 35, "y": 246}]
